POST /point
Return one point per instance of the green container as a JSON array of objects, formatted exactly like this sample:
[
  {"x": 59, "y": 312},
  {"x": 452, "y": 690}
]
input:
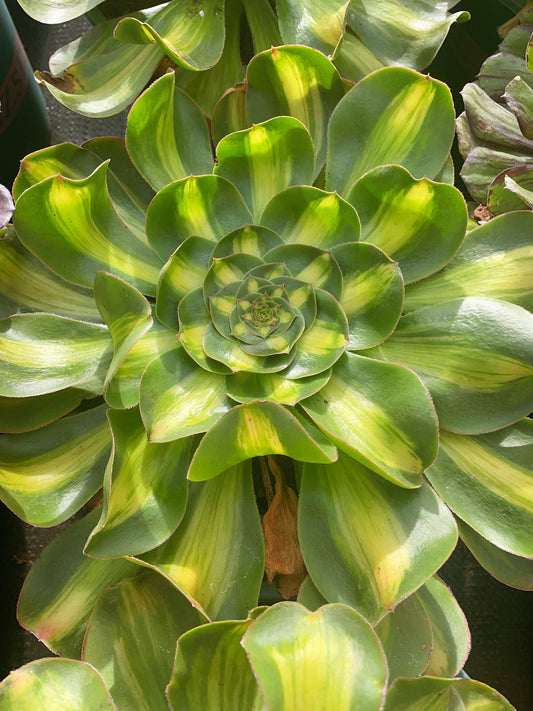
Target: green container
[{"x": 24, "y": 123}]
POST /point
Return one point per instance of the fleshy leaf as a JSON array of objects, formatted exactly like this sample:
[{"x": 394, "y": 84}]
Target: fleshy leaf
[
  {"x": 366, "y": 542},
  {"x": 319, "y": 25},
  {"x": 223, "y": 586},
  {"x": 60, "y": 11},
  {"x": 306, "y": 215},
  {"x": 145, "y": 490},
  {"x": 443, "y": 695},
  {"x": 98, "y": 76},
  {"x": 229, "y": 114},
  {"x": 475, "y": 356},
  {"x": 363, "y": 405},
  {"x": 42, "y": 353},
  {"x": 510, "y": 569},
  {"x": 250, "y": 239},
  {"x": 48, "y": 474},
  {"x": 26, "y": 286},
  {"x": 451, "y": 637},
  {"x": 306, "y": 661},
  {"x": 167, "y": 135},
  {"x": 262, "y": 160},
  {"x": 62, "y": 587},
  {"x": 179, "y": 399},
  {"x": 44, "y": 682},
  {"x": 245, "y": 387},
  {"x": 29, "y": 413},
  {"x": 207, "y": 206},
  {"x": 495, "y": 468},
  {"x": 255, "y": 429},
  {"x": 405, "y": 635},
  {"x": 126, "y": 313},
  {"x": 191, "y": 34},
  {"x": 402, "y": 117},
  {"x": 295, "y": 81},
  {"x": 73, "y": 228},
  {"x": 418, "y": 223},
  {"x": 143, "y": 618},
  {"x": 212, "y": 671},
  {"x": 372, "y": 294},
  {"x": 495, "y": 259}
]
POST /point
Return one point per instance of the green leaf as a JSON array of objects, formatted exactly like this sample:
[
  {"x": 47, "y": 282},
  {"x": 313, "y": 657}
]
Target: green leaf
[
  {"x": 262, "y": 160},
  {"x": 128, "y": 190},
  {"x": 319, "y": 25},
  {"x": 29, "y": 413},
  {"x": 309, "y": 596},
  {"x": 402, "y": 117},
  {"x": 27, "y": 286},
  {"x": 418, "y": 223},
  {"x": 451, "y": 638},
  {"x": 42, "y": 683},
  {"x": 212, "y": 671},
  {"x": 72, "y": 227},
  {"x": 245, "y": 387},
  {"x": 126, "y": 313},
  {"x": 250, "y": 239},
  {"x": 306, "y": 661},
  {"x": 405, "y": 635},
  {"x": 62, "y": 587},
  {"x": 310, "y": 265},
  {"x": 131, "y": 638},
  {"x": 167, "y": 136},
  {"x": 403, "y": 33},
  {"x": 123, "y": 389},
  {"x": 494, "y": 260},
  {"x": 354, "y": 59},
  {"x": 42, "y": 353},
  {"x": 364, "y": 405},
  {"x": 258, "y": 428},
  {"x": 207, "y": 206},
  {"x": 519, "y": 97},
  {"x": 443, "y": 695},
  {"x": 48, "y": 474},
  {"x": 298, "y": 82},
  {"x": 223, "y": 586},
  {"x": 98, "y": 76},
  {"x": 372, "y": 294},
  {"x": 475, "y": 356},
  {"x": 307, "y": 215},
  {"x": 368, "y": 543},
  {"x": 229, "y": 114},
  {"x": 510, "y": 569},
  {"x": 190, "y": 33},
  {"x": 496, "y": 469},
  {"x": 145, "y": 490},
  {"x": 263, "y": 23},
  {"x": 59, "y": 11},
  {"x": 179, "y": 399}
]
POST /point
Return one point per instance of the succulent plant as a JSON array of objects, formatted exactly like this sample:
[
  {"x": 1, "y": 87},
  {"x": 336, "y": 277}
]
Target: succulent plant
[
  {"x": 209, "y": 41},
  {"x": 496, "y": 129},
  {"x": 298, "y": 322}
]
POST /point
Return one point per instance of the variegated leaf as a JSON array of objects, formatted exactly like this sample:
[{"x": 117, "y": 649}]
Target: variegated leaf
[
  {"x": 444, "y": 695},
  {"x": 258, "y": 428},
  {"x": 207, "y": 206},
  {"x": 48, "y": 474},
  {"x": 319, "y": 25},
  {"x": 245, "y": 387},
  {"x": 131, "y": 638},
  {"x": 23, "y": 414},
  {"x": 63, "y": 586},
  {"x": 364, "y": 405},
  {"x": 475, "y": 356},
  {"x": 145, "y": 490},
  {"x": 495, "y": 468},
  {"x": 72, "y": 227},
  {"x": 308, "y": 661},
  {"x": 366, "y": 542},
  {"x": 167, "y": 136},
  {"x": 224, "y": 587},
  {"x": 402, "y": 117},
  {"x": 262, "y": 160}
]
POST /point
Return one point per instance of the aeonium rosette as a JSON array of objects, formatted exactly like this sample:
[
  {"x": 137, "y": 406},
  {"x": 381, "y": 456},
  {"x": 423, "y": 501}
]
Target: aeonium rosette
[{"x": 304, "y": 308}]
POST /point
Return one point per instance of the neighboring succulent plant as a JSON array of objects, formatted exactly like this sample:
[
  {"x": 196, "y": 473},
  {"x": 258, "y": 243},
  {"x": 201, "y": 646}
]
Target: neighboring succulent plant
[
  {"x": 496, "y": 129},
  {"x": 263, "y": 317},
  {"x": 211, "y": 40}
]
